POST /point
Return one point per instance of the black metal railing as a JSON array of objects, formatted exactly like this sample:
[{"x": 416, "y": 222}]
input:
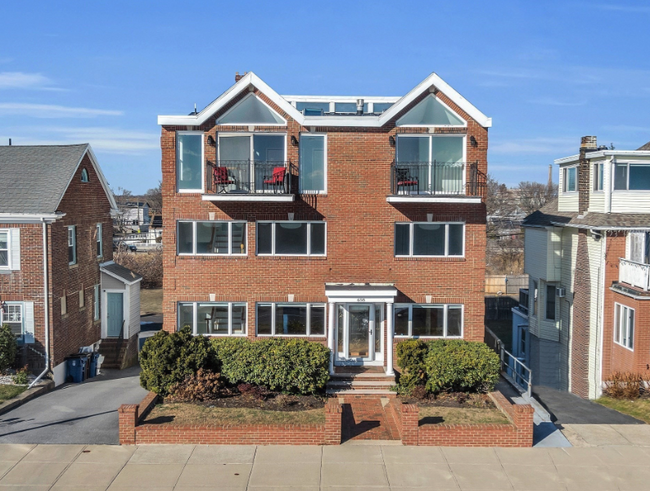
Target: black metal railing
[
  {"x": 523, "y": 300},
  {"x": 250, "y": 177},
  {"x": 437, "y": 178}
]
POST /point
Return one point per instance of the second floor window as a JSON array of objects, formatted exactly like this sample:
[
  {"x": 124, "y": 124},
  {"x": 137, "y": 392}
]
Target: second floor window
[
  {"x": 291, "y": 238},
  {"x": 72, "y": 244},
  {"x": 598, "y": 176},
  {"x": 189, "y": 161},
  {"x": 4, "y": 249},
  {"x": 312, "y": 163},
  {"x": 99, "y": 245},
  {"x": 429, "y": 239},
  {"x": 631, "y": 177},
  {"x": 550, "y": 302},
  {"x": 570, "y": 179},
  {"x": 211, "y": 237}
]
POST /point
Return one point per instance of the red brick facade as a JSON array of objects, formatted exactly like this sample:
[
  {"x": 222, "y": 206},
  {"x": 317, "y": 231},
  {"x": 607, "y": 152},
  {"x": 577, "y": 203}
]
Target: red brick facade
[{"x": 360, "y": 227}]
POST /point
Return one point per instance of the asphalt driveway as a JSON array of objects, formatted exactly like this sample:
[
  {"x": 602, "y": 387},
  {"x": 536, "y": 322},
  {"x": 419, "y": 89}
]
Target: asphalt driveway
[{"x": 83, "y": 413}]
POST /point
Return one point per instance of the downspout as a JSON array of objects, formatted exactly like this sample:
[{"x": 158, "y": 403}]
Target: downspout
[
  {"x": 46, "y": 307},
  {"x": 601, "y": 311}
]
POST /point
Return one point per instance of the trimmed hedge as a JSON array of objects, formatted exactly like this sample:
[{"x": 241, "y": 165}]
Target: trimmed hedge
[
  {"x": 447, "y": 366},
  {"x": 286, "y": 365}
]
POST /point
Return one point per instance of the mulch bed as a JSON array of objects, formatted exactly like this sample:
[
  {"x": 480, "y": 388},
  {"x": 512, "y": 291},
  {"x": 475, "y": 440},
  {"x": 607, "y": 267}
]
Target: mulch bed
[
  {"x": 453, "y": 399},
  {"x": 269, "y": 402}
]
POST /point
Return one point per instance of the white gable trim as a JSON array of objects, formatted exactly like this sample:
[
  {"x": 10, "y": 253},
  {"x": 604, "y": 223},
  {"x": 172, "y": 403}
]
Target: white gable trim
[
  {"x": 251, "y": 123},
  {"x": 443, "y": 104},
  {"x": 362, "y": 121}
]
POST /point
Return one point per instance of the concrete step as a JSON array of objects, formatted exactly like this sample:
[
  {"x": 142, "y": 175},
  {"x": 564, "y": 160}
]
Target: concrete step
[
  {"x": 360, "y": 383},
  {"x": 375, "y": 392}
]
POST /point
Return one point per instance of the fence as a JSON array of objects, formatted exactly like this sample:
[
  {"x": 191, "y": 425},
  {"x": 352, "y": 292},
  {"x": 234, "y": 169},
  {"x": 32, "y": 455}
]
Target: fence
[
  {"x": 499, "y": 308},
  {"x": 505, "y": 284},
  {"x": 512, "y": 367}
]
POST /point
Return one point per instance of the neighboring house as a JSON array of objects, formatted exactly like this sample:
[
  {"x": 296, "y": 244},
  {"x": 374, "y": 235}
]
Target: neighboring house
[
  {"x": 586, "y": 313},
  {"x": 56, "y": 243},
  {"x": 134, "y": 217},
  {"x": 356, "y": 222}
]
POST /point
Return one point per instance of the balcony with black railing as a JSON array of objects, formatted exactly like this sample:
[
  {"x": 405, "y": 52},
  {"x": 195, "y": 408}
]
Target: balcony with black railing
[
  {"x": 247, "y": 180},
  {"x": 418, "y": 181}
]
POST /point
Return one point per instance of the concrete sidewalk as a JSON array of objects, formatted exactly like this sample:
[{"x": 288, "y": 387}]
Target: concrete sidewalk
[{"x": 378, "y": 467}]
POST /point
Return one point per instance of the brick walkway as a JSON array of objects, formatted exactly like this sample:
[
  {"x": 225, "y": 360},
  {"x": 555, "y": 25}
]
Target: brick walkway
[{"x": 365, "y": 418}]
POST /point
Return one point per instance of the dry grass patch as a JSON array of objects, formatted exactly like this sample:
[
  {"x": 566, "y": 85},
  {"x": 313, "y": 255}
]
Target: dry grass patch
[
  {"x": 637, "y": 408},
  {"x": 195, "y": 414},
  {"x": 461, "y": 416},
  {"x": 10, "y": 391},
  {"x": 151, "y": 301}
]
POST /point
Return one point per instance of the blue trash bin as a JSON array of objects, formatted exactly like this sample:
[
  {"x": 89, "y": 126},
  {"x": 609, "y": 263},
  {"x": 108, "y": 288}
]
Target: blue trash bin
[
  {"x": 76, "y": 368},
  {"x": 92, "y": 372}
]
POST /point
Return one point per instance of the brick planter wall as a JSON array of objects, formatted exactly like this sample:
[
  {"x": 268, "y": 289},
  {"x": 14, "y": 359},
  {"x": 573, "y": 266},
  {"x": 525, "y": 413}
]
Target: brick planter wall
[
  {"x": 133, "y": 432},
  {"x": 517, "y": 434}
]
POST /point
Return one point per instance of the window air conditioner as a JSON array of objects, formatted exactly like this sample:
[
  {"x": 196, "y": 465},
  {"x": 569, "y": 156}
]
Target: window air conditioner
[{"x": 561, "y": 292}]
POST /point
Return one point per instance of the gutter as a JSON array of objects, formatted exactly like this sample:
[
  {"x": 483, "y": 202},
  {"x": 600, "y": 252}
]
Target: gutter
[{"x": 46, "y": 305}]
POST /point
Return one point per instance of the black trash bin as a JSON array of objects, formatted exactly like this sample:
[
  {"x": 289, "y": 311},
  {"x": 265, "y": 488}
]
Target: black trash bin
[
  {"x": 93, "y": 358},
  {"x": 76, "y": 365}
]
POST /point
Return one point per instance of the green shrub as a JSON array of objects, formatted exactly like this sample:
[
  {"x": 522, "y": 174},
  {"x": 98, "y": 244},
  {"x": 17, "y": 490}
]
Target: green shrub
[
  {"x": 457, "y": 365},
  {"x": 286, "y": 365},
  {"x": 8, "y": 348},
  {"x": 21, "y": 377},
  {"x": 167, "y": 359},
  {"x": 410, "y": 360}
]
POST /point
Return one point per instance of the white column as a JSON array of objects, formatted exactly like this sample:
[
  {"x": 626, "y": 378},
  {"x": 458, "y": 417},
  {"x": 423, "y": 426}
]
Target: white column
[
  {"x": 330, "y": 334},
  {"x": 389, "y": 339}
]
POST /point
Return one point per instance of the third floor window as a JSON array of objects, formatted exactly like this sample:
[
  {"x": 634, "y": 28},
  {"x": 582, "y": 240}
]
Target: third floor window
[{"x": 632, "y": 177}]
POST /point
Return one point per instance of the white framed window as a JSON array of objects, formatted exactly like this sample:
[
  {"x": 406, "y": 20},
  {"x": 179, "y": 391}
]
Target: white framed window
[
  {"x": 570, "y": 179},
  {"x": 429, "y": 320},
  {"x": 72, "y": 244},
  {"x": 624, "y": 326},
  {"x": 96, "y": 303},
  {"x": 598, "y": 176},
  {"x": 429, "y": 239},
  {"x": 290, "y": 319},
  {"x": 631, "y": 176},
  {"x": 313, "y": 163},
  {"x": 13, "y": 317},
  {"x": 189, "y": 162},
  {"x": 211, "y": 238},
  {"x": 5, "y": 249},
  {"x": 431, "y": 111},
  {"x": 213, "y": 318},
  {"x": 550, "y": 302},
  {"x": 291, "y": 238},
  {"x": 99, "y": 241}
]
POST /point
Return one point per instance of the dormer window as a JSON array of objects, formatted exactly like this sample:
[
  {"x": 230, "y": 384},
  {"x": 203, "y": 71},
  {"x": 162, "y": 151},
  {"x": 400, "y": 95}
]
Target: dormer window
[
  {"x": 570, "y": 181},
  {"x": 84, "y": 175},
  {"x": 598, "y": 176}
]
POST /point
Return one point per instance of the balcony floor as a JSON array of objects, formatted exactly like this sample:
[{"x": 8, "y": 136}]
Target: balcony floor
[
  {"x": 267, "y": 197},
  {"x": 428, "y": 198}
]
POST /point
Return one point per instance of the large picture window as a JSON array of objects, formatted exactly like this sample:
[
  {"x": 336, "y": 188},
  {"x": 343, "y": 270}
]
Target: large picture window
[
  {"x": 291, "y": 238},
  {"x": 624, "y": 326},
  {"x": 420, "y": 320},
  {"x": 189, "y": 161},
  {"x": 290, "y": 319},
  {"x": 213, "y": 318},
  {"x": 211, "y": 238},
  {"x": 632, "y": 177},
  {"x": 312, "y": 163},
  {"x": 429, "y": 239}
]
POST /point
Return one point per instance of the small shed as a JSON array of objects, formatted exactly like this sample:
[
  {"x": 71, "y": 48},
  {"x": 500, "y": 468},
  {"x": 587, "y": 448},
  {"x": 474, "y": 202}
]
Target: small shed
[{"x": 120, "y": 302}]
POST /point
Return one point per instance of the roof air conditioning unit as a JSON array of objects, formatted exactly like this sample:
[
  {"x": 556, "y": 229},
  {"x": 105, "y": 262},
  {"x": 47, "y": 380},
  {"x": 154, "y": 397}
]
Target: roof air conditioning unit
[{"x": 561, "y": 292}]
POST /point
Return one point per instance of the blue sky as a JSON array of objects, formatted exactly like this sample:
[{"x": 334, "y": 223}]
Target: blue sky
[{"x": 546, "y": 72}]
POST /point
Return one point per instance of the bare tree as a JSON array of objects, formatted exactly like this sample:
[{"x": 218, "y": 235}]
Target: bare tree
[
  {"x": 499, "y": 200},
  {"x": 534, "y": 195},
  {"x": 154, "y": 197}
]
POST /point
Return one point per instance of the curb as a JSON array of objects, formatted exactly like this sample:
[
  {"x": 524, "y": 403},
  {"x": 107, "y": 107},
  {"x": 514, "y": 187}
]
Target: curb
[{"x": 26, "y": 396}]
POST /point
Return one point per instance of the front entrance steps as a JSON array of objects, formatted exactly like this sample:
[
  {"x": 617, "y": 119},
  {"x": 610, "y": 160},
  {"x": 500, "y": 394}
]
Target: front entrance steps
[
  {"x": 361, "y": 381},
  {"x": 367, "y": 419}
]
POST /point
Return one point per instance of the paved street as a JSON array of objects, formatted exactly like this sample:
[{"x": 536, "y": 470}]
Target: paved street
[
  {"x": 184, "y": 468},
  {"x": 74, "y": 413}
]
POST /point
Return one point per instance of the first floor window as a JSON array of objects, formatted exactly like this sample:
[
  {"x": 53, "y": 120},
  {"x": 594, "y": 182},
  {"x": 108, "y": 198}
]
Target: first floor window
[
  {"x": 72, "y": 244},
  {"x": 96, "y": 303},
  {"x": 550, "y": 302},
  {"x": 213, "y": 237},
  {"x": 419, "y": 320},
  {"x": 624, "y": 326},
  {"x": 290, "y": 319},
  {"x": 4, "y": 249},
  {"x": 429, "y": 239},
  {"x": 570, "y": 179},
  {"x": 13, "y": 317},
  {"x": 213, "y": 318},
  {"x": 291, "y": 238},
  {"x": 189, "y": 161}
]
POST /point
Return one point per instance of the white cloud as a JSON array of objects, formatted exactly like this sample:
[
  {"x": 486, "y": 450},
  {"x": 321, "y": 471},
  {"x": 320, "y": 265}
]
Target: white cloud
[
  {"x": 21, "y": 80},
  {"x": 554, "y": 146},
  {"x": 53, "y": 111}
]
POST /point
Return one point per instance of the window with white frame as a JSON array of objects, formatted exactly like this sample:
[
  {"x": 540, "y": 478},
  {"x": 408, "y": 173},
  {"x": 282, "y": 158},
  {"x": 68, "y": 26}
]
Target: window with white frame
[
  {"x": 224, "y": 238},
  {"x": 429, "y": 239},
  {"x": 189, "y": 161},
  {"x": 291, "y": 238},
  {"x": 624, "y": 326},
  {"x": 313, "y": 163},
  {"x": 4, "y": 249},
  {"x": 213, "y": 318},
  {"x": 96, "y": 303},
  {"x": 13, "y": 317},
  {"x": 99, "y": 242},
  {"x": 598, "y": 176},
  {"x": 422, "y": 320},
  {"x": 550, "y": 302},
  {"x": 631, "y": 176},
  {"x": 290, "y": 319},
  {"x": 569, "y": 179},
  {"x": 72, "y": 244}
]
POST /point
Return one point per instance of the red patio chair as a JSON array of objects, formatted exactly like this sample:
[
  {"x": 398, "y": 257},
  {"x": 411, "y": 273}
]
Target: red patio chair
[
  {"x": 276, "y": 179},
  {"x": 222, "y": 179},
  {"x": 406, "y": 181}
]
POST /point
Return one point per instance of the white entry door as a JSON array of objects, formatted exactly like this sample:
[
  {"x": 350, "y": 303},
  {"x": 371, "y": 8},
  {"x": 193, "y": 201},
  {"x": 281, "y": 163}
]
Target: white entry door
[{"x": 360, "y": 334}]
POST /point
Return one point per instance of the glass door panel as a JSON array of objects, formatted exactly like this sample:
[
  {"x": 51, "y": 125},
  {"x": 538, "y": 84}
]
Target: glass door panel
[
  {"x": 359, "y": 331},
  {"x": 359, "y": 334}
]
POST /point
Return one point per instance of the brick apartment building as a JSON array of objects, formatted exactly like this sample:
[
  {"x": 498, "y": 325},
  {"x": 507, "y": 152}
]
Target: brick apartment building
[
  {"x": 356, "y": 222},
  {"x": 56, "y": 255},
  {"x": 587, "y": 255}
]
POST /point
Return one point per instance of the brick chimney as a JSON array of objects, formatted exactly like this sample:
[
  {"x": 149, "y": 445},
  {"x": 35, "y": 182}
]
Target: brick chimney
[
  {"x": 238, "y": 77},
  {"x": 587, "y": 144}
]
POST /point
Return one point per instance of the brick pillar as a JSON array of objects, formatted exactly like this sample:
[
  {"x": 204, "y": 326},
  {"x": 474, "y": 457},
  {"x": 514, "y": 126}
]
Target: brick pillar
[
  {"x": 580, "y": 329},
  {"x": 333, "y": 413},
  {"x": 587, "y": 144},
  {"x": 128, "y": 415},
  {"x": 410, "y": 423},
  {"x": 523, "y": 420}
]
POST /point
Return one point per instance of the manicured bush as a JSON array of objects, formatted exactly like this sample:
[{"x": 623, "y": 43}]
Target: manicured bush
[
  {"x": 457, "y": 365},
  {"x": 8, "y": 348},
  {"x": 167, "y": 359},
  {"x": 286, "y": 365},
  {"x": 410, "y": 360}
]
